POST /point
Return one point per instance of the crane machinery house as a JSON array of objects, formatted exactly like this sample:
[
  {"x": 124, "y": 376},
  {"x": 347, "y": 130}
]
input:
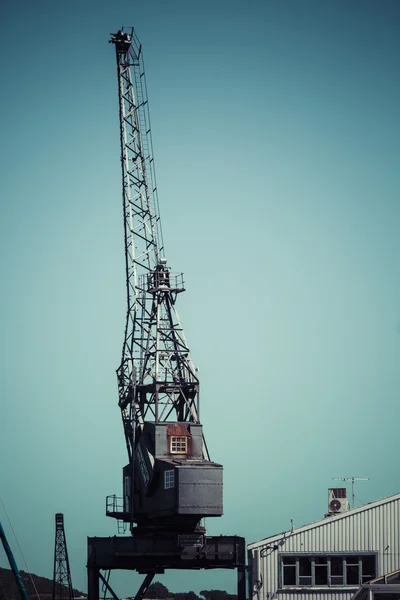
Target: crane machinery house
[{"x": 332, "y": 557}]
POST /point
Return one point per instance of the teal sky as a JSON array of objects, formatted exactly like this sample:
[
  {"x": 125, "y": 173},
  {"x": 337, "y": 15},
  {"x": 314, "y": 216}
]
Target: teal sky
[{"x": 276, "y": 135}]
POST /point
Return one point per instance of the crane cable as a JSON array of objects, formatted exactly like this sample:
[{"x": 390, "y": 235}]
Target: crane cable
[{"x": 19, "y": 548}]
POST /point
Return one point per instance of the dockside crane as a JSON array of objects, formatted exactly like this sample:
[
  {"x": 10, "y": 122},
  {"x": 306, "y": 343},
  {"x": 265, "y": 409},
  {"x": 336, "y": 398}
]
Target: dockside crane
[{"x": 169, "y": 482}]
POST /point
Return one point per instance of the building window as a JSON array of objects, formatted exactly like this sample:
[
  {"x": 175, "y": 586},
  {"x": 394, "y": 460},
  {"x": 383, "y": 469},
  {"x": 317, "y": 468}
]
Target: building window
[
  {"x": 179, "y": 445},
  {"x": 169, "y": 479},
  {"x": 322, "y": 570}
]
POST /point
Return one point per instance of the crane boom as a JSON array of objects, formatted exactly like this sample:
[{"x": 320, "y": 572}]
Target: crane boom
[
  {"x": 158, "y": 385},
  {"x": 142, "y": 228}
]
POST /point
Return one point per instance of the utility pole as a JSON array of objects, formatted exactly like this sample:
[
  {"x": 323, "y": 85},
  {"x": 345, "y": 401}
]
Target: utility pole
[
  {"x": 62, "y": 584},
  {"x": 352, "y": 479}
]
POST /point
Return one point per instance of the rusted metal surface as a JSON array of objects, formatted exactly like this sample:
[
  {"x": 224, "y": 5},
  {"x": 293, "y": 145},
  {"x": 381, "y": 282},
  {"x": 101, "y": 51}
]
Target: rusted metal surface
[{"x": 178, "y": 430}]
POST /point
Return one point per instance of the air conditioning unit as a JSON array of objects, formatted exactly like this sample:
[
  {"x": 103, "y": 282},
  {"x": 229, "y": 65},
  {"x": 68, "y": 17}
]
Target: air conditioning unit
[{"x": 337, "y": 501}]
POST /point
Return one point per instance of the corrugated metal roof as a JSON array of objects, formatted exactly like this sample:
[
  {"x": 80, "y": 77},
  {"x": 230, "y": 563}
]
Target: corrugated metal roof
[
  {"x": 393, "y": 577},
  {"x": 327, "y": 520},
  {"x": 390, "y": 579}
]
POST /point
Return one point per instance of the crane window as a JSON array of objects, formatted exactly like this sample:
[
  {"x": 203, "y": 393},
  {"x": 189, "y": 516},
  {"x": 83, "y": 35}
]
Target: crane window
[
  {"x": 179, "y": 445},
  {"x": 169, "y": 479}
]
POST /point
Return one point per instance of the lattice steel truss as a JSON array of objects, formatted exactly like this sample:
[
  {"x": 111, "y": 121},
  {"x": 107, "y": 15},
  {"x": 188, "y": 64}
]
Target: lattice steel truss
[
  {"x": 157, "y": 380},
  {"x": 62, "y": 584}
]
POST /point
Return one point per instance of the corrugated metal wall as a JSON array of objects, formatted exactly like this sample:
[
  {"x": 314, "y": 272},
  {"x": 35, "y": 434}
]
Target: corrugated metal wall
[{"x": 373, "y": 528}]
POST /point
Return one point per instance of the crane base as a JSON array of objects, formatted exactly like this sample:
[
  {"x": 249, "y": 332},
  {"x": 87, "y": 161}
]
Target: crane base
[{"x": 154, "y": 554}]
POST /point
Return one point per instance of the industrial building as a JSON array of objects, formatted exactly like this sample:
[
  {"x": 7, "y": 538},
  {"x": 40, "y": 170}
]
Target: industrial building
[
  {"x": 332, "y": 557},
  {"x": 386, "y": 587}
]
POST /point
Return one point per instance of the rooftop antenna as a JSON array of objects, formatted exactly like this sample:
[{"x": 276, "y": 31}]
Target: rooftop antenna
[{"x": 352, "y": 479}]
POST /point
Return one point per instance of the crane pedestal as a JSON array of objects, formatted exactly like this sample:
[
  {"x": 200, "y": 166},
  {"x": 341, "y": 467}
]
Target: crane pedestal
[{"x": 151, "y": 555}]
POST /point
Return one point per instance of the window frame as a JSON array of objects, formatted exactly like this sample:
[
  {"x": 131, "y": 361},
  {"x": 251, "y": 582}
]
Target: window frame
[
  {"x": 296, "y": 556},
  {"x": 174, "y": 439},
  {"x": 169, "y": 479}
]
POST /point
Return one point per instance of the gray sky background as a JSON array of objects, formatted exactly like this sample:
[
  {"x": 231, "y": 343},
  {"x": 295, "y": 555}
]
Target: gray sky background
[{"x": 276, "y": 135}]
